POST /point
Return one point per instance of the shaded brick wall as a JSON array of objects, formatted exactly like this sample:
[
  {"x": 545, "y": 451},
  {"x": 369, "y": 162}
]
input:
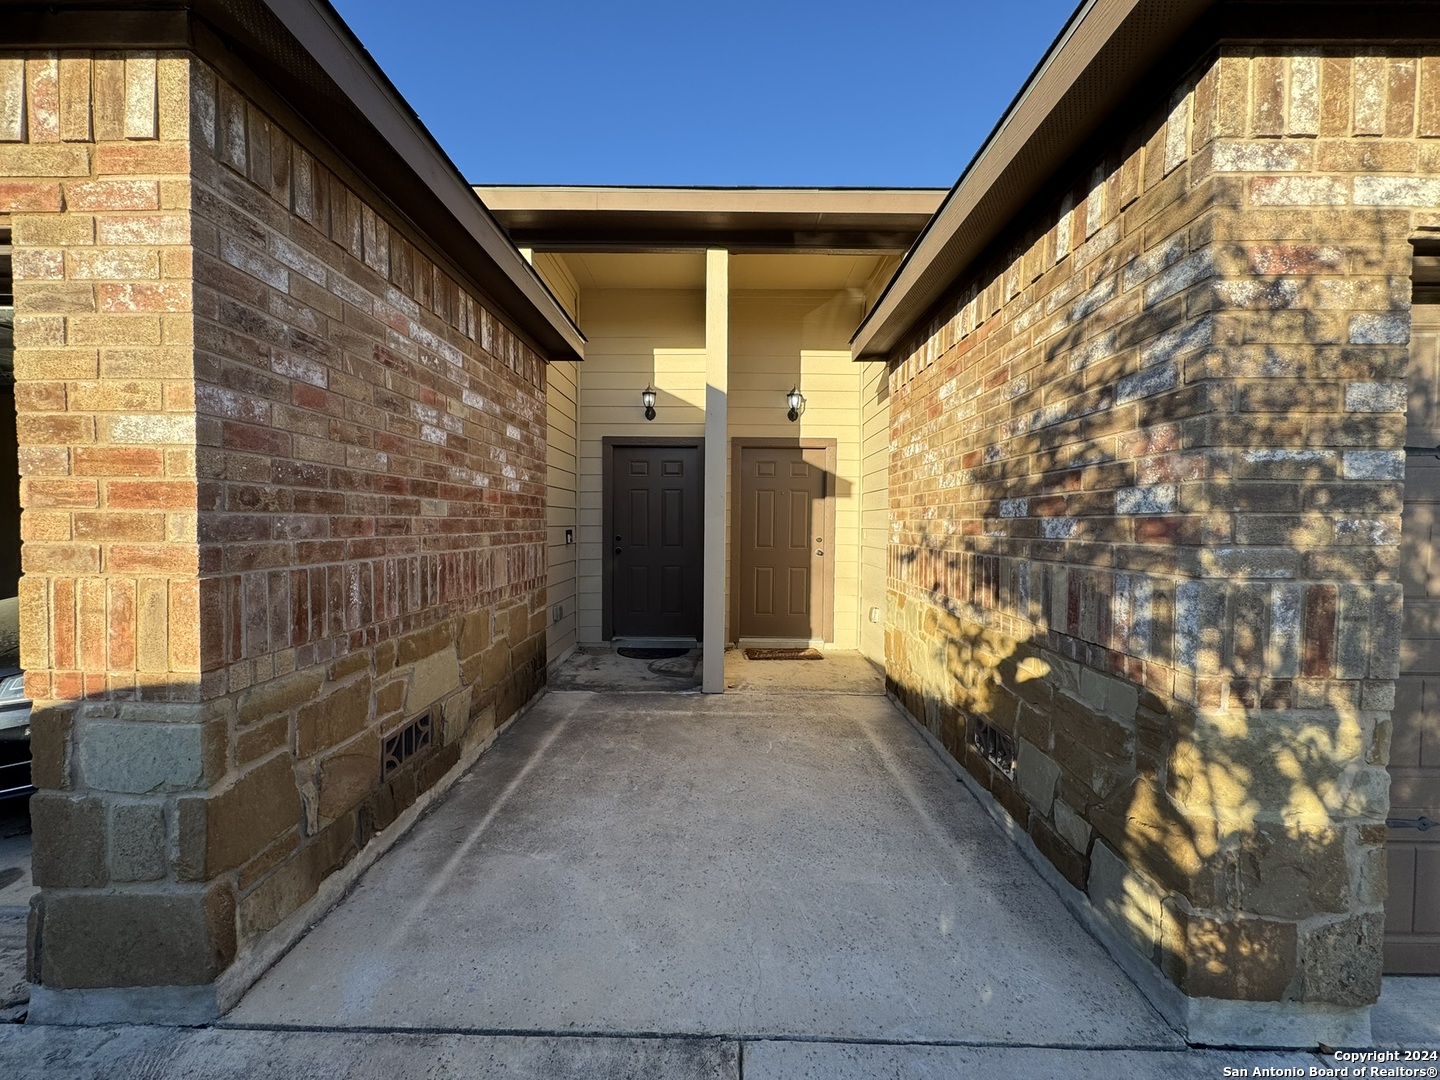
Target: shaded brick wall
[
  {"x": 1146, "y": 483},
  {"x": 372, "y": 528},
  {"x": 283, "y": 493}
]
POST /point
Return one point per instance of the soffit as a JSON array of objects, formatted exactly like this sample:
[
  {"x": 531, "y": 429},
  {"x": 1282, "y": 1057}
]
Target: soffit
[
  {"x": 1101, "y": 74},
  {"x": 306, "y": 54},
  {"x": 686, "y": 271}
]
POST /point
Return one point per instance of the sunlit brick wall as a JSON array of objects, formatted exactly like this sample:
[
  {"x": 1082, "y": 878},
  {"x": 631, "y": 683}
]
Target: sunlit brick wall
[{"x": 1145, "y": 493}]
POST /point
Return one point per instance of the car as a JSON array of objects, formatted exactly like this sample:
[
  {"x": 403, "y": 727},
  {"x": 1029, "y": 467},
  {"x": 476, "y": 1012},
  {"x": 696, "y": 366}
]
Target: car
[{"x": 15, "y": 757}]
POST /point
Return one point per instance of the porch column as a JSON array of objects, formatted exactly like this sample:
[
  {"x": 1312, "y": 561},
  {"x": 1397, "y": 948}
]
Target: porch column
[{"x": 717, "y": 376}]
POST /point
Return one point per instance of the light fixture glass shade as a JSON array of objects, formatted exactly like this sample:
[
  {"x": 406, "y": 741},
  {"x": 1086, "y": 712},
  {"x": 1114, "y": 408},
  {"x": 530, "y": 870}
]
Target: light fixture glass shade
[
  {"x": 796, "y": 401},
  {"x": 647, "y": 397}
]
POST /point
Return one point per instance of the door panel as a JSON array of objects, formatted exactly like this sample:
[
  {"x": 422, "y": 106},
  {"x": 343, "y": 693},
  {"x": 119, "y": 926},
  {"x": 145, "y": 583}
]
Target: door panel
[
  {"x": 655, "y": 543},
  {"x": 781, "y": 500},
  {"x": 1412, "y": 912}
]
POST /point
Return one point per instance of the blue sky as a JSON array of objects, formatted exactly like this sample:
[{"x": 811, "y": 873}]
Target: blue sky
[{"x": 884, "y": 92}]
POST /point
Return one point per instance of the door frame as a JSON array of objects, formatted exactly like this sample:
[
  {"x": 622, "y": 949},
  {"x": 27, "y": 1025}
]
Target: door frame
[
  {"x": 827, "y": 577},
  {"x": 608, "y": 445}
]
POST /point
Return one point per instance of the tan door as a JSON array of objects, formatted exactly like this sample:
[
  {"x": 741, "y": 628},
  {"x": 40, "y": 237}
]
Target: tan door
[
  {"x": 782, "y": 543},
  {"x": 1412, "y": 913}
]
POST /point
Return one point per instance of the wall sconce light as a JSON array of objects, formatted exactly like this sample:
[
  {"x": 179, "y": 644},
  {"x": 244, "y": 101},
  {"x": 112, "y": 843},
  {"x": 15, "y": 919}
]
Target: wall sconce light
[
  {"x": 796, "y": 401},
  {"x": 648, "y": 397}
]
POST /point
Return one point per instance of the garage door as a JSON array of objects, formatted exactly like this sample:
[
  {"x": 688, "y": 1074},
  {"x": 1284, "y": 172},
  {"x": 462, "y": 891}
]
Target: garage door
[{"x": 1412, "y": 913}]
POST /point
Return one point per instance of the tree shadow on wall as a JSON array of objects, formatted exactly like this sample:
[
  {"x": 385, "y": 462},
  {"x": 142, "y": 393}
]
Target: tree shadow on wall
[{"x": 1209, "y": 769}]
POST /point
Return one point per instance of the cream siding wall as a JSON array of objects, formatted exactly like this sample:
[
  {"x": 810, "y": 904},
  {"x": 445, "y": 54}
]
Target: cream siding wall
[
  {"x": 561, "y": 469},
  {"x": 635, "y": 336},
  {"x": 783, "y": 339},
  {"x": 874, "y": 504},
  {"x": 778, "y": 339}
]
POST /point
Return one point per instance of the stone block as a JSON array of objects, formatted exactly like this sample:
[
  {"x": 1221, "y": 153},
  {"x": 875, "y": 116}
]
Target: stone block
[
  {"x": 349, "y": 664},
  {"x": 221, "y": 832},
  {"x": 494, "y": 664},
  {"x": 346, "y": 776},
  {"x": 1036, "y": 775},
  {"x": 140, "y": 758},
  {"x": 70, "y": 841},
  {"x": 1293, "y": 873},
  {"x": 1241, "y": 959},
  {"x": 280, "y": 694},
  {"x": 517, "y": 621},
  {"x": 50, "y": 746},
  {"x": 1128, "y": 901},
  {"x": 456, "y": 716},
  {"x": 137, "y": 842},
  {"x": 474, "y": 632},
  {"x": 1073, "y": 828},
  {"x": 1073, "y": 865},
  {"x": 333, "y": 718},
  {"x": 1341, "y": 961},
  {"x": 432, "y": 678},
  {"x": 284, "y": 890},
  {"x": 423, "y": 643},
  {"x": 159, "y": 936}
]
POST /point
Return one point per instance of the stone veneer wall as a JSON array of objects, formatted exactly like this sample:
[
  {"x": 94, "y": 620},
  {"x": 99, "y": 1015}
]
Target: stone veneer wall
[
  {"x": 283, "y": 492},
  {"x": 1146, "y": 484}
]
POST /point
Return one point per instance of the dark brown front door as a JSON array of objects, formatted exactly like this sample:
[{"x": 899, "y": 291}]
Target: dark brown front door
[
  {"x": 1412, "y": 912},
  {"x": 782, "y": 583},
  {"x": 655, "y": 541}
]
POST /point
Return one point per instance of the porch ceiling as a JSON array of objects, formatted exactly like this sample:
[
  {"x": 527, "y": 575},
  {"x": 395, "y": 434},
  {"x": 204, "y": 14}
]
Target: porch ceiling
[
  {"x": 686, "y": 270},
  {"x": 853, "y": 220}
]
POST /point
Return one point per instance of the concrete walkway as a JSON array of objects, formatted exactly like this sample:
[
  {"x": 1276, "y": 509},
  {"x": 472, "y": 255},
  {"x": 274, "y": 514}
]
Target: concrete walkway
[
  {"x": 753, "y": 887},
  {"x": 754, "y": 866}
]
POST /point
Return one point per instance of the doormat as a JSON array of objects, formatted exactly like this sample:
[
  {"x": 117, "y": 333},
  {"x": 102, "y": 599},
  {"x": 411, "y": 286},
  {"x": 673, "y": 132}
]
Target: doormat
[
  {"x": 651, "y": 654},
  {"x": 784, "y": 654}
]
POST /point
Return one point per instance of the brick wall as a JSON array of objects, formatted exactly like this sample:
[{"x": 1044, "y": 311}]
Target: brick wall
[
  {"x": 283, "y": 493},
  {"x": 1145, "y": 505}
]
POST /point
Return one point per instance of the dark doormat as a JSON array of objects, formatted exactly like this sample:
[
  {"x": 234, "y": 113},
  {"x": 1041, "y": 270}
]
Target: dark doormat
[
  {"x": 651, "y": 654},
  {"x": 784, "y": 654}
]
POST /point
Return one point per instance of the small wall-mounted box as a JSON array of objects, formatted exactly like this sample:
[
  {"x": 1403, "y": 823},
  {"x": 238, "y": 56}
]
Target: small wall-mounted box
[
  {"x": 557, "y": 613},
  {"x": 569, "y": 536}
]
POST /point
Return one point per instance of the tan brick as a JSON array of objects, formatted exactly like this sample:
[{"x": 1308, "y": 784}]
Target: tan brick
[
  {"x": 140, "y": 108},
  {"x": 12, "y": 99},
  {"x": 108, "y": 88},
  {"x": 17, "y": 160},
  {"x": 42, "y": 85},
  {"x": 113, "y": 396},
  {"x": 75, "y": 99},
  {"x": 39, "y": 196},
  {"x": 53, "y": 231},
  {"x": 34, "y": 364},
  {"x": 112, "y": 264}
]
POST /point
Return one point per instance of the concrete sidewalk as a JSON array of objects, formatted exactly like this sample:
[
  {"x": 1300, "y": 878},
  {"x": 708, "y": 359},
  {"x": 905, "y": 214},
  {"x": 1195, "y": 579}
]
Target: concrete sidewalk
[
  {"x": 750, "y": 866},
  {"x": 213, "y": 1054}
]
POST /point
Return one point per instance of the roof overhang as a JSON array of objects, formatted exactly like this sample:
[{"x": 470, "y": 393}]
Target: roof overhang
[
  {"x": 1099, "y": 77},
  {"x": 307, "y": 55},
  {"x": 744, "y": 220}
]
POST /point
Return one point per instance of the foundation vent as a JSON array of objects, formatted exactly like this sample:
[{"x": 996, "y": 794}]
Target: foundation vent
[
  {"x": 400, "y": 746},
  {"x": 995, "y": 746}
]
